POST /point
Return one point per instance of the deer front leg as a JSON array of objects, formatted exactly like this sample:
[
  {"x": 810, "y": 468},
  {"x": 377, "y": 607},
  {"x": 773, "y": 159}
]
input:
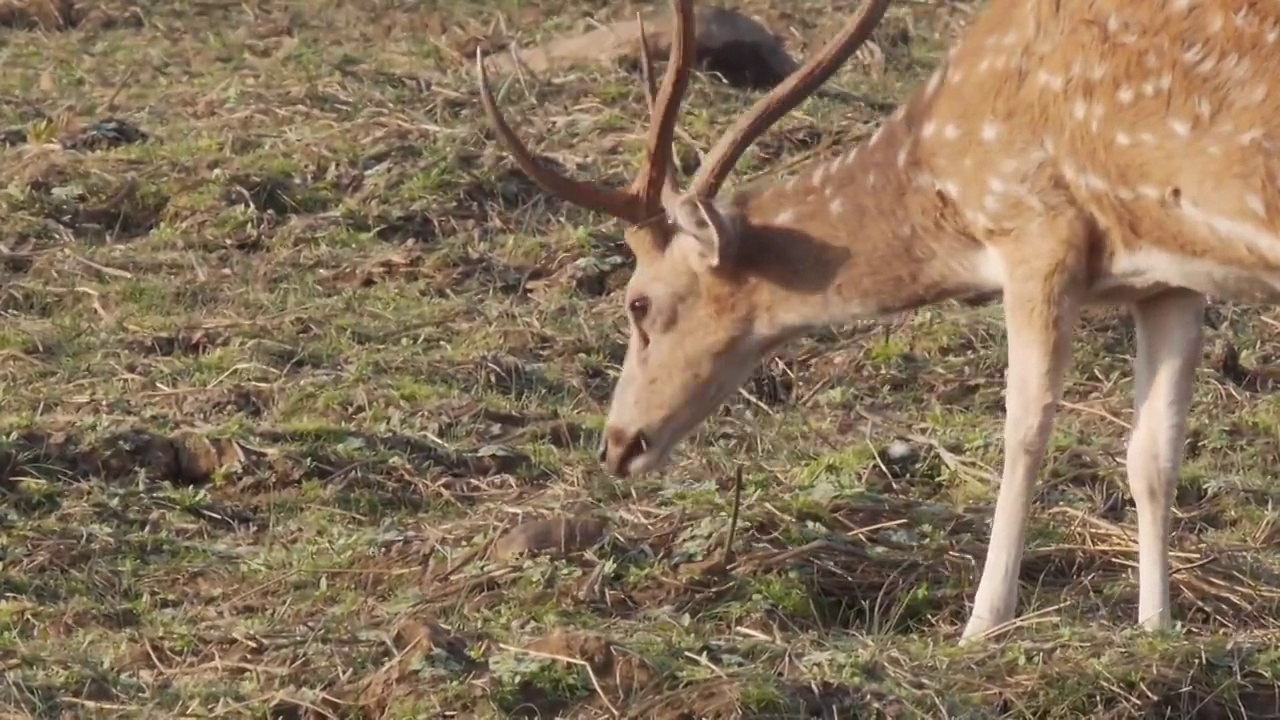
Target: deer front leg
[
  {"x": 1039, "y": 314},
  {"x": 1170, "y": 337}
]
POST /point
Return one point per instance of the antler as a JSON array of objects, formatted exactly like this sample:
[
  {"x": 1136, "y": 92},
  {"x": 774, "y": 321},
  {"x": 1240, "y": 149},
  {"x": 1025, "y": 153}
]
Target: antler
[
  {"x": 791, "y": 92},
  {"x": 643, "y": 198},
  {"x": 670, "y": 184}
]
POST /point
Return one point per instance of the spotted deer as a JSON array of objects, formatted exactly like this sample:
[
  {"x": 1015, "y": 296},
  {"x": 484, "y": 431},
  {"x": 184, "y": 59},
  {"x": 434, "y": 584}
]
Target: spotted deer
[{"x": 1118, "y": 152}]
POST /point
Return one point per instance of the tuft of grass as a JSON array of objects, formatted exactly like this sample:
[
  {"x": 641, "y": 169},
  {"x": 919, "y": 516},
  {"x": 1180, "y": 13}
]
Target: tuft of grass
[{"x": 290, "y": 380}]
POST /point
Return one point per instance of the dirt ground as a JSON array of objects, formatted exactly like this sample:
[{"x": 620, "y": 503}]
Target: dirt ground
[{"x": 302, "y": 380}]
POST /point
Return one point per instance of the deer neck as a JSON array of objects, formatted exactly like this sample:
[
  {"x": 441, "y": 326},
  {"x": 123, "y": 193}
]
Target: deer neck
[{"x": 865, "y": 235}]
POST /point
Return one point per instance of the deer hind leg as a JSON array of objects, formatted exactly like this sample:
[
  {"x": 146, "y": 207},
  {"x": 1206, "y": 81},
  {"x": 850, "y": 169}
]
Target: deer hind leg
[
  {"x": 1169, "y": 341},
  {"x": 1041, "y": 307}
]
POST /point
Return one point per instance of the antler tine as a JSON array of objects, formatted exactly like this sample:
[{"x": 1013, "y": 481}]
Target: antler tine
[
  {"x": 670, "y": 187},
  {"x": 788, "y": 94},
  {"x": 646, "y": 71},
  {"x": 622, "y": 204},
  {"x": 658, "y": 173}
]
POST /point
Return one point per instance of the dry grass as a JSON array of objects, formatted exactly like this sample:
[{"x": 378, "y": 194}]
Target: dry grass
[{"x": 287, "y": 374}]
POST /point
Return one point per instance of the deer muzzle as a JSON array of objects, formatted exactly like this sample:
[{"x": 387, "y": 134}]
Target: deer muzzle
[{"x": 619, "y": 449}]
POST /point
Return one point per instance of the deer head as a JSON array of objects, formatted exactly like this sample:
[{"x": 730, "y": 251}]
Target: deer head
[{"x": 696, "y": 333}]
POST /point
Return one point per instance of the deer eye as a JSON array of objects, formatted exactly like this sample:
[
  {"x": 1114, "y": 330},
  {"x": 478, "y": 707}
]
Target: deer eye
[{"x": 639, "y": 308}]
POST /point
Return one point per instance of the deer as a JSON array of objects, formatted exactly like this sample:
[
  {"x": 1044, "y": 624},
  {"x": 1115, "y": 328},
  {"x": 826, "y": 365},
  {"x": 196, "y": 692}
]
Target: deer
[{"x": 1122, "y": 153}]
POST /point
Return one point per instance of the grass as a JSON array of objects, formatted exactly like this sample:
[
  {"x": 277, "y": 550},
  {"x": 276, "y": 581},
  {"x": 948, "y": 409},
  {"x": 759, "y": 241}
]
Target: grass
[{"x": 291, "y": 381}]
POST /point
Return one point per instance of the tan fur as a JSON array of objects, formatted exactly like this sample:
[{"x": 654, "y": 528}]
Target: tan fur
[{"x": 1065, "y": 153}]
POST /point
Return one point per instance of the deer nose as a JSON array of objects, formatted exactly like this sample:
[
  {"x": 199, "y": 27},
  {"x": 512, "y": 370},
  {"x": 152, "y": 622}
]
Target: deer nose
[{"x": 619, "y": 447}]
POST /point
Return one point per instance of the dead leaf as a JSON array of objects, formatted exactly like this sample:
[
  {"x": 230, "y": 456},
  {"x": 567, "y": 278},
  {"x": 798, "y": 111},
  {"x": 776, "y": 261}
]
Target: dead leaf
[
  {"x": 620, "y": 673},
  {"x": 562, "y": 535},
  {"x": 200, "y": 458}
]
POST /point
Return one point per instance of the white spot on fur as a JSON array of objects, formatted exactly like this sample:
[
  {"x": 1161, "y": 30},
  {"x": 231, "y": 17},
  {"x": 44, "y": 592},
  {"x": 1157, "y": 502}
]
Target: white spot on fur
[
  {"x": 1256, "y": 204},
  {"x": 951, "y": 131},
  {"x": 1009, "y": 166},
  {"x": 1049, "y": 80},
  {"x": 1204, "y": 108},
  {"x": 1123, "y": 139},
  {"x": 927, "y": 128},
  {"x": 1125, "y": 94},
  {"x": 990, "y": 131},
  {"x": 1180, "y": 126},
  {"x": 1093, "y": 182},
  {"x": 786, "y": 217}
]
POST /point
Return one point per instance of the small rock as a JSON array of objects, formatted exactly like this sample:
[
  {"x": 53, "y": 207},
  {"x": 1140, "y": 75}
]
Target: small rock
[
  {"x": 13, "y": 136},
  {"x": 103, "y": 134},
  {"x": 900, "y": 458},
  {"x": 900, "y": 450}
]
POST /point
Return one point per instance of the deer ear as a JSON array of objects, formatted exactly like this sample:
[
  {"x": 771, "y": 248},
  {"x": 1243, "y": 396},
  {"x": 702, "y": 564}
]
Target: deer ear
[{"x": 709, "y": 235}]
